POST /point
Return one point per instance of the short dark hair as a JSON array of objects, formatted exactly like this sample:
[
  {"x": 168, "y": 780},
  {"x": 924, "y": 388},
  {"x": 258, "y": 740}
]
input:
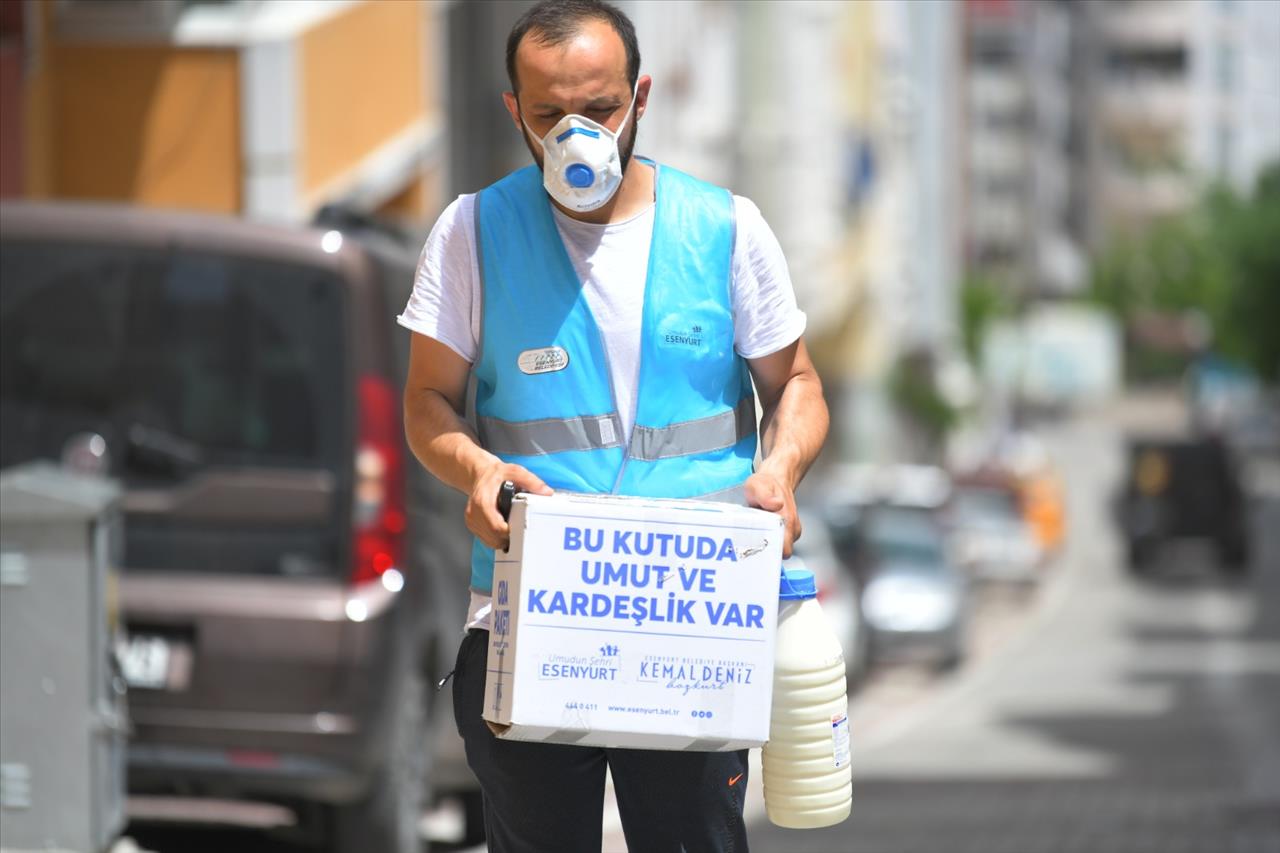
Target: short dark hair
[{"x": 554, "y": 22}]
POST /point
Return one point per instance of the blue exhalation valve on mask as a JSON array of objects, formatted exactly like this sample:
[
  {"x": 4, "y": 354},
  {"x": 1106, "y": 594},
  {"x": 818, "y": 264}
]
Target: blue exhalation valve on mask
[{"x": 579, "y": 175}]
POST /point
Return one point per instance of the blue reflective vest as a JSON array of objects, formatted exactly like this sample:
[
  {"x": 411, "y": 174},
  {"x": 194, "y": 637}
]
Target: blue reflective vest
[{"x": 544, "y": 398}]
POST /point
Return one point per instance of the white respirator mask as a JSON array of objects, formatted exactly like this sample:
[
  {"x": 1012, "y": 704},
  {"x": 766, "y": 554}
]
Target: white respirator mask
[{"x": 581, "y": 166}]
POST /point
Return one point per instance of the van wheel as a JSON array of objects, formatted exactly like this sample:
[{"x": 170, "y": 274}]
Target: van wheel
[{"x": 387, "y": 818}]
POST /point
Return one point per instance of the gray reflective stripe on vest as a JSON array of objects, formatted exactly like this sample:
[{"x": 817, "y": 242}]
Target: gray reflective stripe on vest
[
  {"x": 552, "y": 435},
  {"x": 701, "y": 436}
]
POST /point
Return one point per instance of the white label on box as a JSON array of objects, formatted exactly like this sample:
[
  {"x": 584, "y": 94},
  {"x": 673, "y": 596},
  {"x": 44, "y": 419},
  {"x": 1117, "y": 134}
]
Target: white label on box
[{"x": 840, "y": 738}]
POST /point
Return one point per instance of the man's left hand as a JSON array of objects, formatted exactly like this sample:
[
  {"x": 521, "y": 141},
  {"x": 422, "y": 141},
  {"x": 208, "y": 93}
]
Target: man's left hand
[{"x": 769, "y": 492}]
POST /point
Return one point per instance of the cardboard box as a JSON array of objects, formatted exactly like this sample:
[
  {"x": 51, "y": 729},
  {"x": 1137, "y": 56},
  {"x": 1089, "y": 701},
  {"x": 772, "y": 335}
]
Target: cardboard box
[{"x": 634, "y": 622}]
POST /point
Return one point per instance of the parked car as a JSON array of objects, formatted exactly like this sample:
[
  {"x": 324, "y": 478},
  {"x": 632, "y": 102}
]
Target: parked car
[
  {"x": 992, "y": 538},
  {"x": 858, "y": 484},
  {"x": 1227, "y": 399},
  {"x": 915, "y": 599},
  {"x": 280, "y": 593},
  {"x": 838, "y": 593},
  {"x": 1019, "y": 460},
  {"x": 438, "y": 539},
  {"x": 1183, "y": 489}
]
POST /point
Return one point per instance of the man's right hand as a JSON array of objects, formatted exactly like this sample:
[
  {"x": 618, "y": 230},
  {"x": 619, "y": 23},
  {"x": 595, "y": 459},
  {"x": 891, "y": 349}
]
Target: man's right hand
[{"x": 483, "y": 518}]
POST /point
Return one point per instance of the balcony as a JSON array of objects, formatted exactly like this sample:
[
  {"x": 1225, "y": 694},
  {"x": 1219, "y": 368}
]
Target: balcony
[
  {"x": 1131, "y": 198},
  {"x": 1146, "y": 100},
  {"x": 1149, "y": 23}
]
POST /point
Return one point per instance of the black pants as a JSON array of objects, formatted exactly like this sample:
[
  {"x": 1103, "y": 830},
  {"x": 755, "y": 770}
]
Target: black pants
[{"x": 549, "y": 798}]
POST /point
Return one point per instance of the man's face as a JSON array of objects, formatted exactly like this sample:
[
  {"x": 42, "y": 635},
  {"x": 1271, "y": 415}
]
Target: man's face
[{"x": 587, "y": 75}]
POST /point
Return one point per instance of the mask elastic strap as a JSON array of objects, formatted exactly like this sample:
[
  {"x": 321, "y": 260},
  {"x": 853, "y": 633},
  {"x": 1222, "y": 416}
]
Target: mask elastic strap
[
  {"x": 627, "y": 117},
  {"x": 528, "y": 129}
]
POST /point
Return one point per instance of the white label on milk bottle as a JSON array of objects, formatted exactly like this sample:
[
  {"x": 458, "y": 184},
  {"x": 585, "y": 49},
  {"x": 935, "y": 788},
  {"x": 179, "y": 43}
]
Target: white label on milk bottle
[{"x": 840, "y": 738}]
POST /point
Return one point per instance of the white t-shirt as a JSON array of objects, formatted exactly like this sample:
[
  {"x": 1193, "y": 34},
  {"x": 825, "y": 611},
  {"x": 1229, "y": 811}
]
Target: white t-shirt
[{"x": 612, "y": 263}]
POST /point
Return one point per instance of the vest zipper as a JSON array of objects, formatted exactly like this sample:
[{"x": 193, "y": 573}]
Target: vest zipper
[
  {"x": 604, "y": 346},
  {"x": 644, "y": 315}
]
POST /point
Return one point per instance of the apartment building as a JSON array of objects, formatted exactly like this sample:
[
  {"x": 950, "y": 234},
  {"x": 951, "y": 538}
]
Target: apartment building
[
  {"x": 1185, "y": 92},
  {"x": 1024, "y": 155}
]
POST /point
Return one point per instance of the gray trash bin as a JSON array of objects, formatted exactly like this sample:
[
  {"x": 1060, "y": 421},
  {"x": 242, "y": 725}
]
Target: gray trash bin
[{"x": 62, "y": 711}]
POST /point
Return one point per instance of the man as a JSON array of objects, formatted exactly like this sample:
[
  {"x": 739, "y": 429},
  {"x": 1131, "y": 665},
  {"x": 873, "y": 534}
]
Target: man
[{"x": 613, "y": 315}]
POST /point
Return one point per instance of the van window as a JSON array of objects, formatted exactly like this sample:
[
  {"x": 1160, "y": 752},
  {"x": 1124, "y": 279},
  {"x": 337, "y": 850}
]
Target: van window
[
  {"x": 239, "y": 360},
  {"x": 183, "y": 362}
]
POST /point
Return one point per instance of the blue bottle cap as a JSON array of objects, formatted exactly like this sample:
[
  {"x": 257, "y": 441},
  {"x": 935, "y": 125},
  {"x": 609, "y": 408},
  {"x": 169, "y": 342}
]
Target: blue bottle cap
[
  {"x": 797, "y": 584},
  {"x": 579, "y": 175}
]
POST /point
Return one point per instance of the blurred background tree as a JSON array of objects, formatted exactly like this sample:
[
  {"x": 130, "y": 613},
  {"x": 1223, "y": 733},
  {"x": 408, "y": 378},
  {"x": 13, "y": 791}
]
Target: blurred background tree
[
  {"x": 1247, "y": 233},
  {"x": 1208, "y": 278},
  {"x": 982, "y": 300},
  {"x": 915, "y": 391}
]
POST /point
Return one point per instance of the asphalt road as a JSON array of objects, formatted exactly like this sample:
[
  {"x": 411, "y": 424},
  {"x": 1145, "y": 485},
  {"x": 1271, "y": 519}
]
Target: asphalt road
[{"x": 1129, "y": 715}]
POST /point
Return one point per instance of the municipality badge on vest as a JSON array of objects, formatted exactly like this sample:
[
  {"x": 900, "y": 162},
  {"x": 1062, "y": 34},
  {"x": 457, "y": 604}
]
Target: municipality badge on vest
[{"x": 542, "y": 360}]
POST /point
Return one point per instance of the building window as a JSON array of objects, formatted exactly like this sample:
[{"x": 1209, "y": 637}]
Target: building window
[
  {"x": 1146, "y": 63},
  {"x": 1002, "y": 185},
  {"x": 1226, "y": 67}
]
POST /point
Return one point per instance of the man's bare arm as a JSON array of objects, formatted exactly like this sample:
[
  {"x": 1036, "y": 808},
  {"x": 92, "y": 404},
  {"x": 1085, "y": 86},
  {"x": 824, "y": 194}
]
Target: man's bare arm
[
  {"x": 438, "y": 434},
  {"x": 793, "y": 426}
]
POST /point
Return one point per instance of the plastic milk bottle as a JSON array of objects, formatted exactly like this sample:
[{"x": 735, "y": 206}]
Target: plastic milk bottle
[{"x": 807, "y": 780}]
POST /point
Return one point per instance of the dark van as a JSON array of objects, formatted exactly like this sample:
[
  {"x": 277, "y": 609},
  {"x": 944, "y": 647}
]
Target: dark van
[
  {"x": 1188, "y": 488},
  {"x": 283, "y": 603}
]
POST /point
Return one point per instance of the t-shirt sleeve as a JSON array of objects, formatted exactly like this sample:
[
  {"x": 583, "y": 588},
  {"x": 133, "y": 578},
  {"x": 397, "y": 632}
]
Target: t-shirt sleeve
[
  {"x": 444, "y": 304},
  {"x": 765, "y": 315}
]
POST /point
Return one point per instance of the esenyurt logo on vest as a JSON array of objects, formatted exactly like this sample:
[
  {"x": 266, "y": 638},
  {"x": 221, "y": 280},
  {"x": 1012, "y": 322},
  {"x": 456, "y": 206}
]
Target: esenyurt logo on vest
[
  {"x": 542, "y": 360},
  {"x": 702, "y": 330},
  {"x": 690, "y": 337}
]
